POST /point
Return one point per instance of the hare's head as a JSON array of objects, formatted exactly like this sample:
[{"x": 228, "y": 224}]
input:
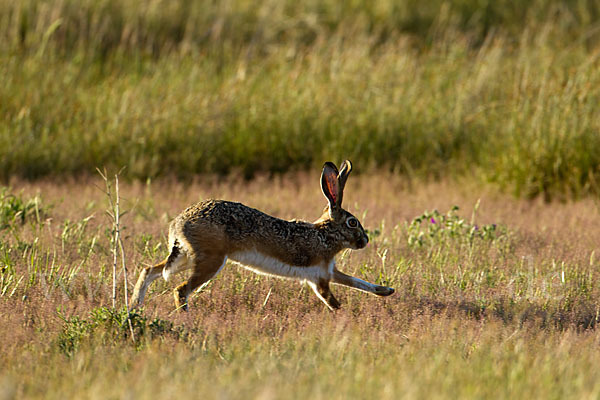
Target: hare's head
[{"x": 346, "y": 226}]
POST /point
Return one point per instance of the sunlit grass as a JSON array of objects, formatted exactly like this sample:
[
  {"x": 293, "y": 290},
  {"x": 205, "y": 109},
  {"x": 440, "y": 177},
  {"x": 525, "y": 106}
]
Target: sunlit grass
[
  {"x": 497, "y": 298},
  {"x": 509, "y": 95}
]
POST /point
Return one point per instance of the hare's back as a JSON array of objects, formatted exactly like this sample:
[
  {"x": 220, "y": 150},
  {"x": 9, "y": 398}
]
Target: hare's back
[
  {"x": 221, "y": 220},
  {"x": 228, "y": 227}
]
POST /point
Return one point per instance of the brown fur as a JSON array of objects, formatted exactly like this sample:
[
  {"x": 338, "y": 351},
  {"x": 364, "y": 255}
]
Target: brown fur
[{"x": 205, "y": 234}]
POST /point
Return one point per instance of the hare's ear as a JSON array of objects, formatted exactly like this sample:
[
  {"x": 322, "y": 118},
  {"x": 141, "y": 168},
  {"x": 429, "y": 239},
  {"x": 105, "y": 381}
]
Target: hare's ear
[
  {"x": 343, "y": 176},
  {"x": 330, "y": 185}
]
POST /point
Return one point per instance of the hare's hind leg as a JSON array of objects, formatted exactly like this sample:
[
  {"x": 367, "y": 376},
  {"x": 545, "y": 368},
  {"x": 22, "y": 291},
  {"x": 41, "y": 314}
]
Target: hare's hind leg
[
  {"x": 147, "y": 276},
  {"x": 321, "y": 289},
  {"x": 342, "y": 279},
  {"x": 205, "y": 268}
]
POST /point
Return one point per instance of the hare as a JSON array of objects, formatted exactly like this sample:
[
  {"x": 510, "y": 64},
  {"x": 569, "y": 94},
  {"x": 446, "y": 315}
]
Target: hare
[{"x": 206, "y": 234}]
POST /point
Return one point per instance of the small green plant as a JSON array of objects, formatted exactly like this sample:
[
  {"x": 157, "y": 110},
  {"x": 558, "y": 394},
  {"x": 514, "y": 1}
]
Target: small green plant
[
  {"x": 148, "y": 246},
  {"x": 108, "y": 325},
  {"x": 9, "y": 279},
  {"x": 435, "y": 228},
  {"x": 74, "y": 331},
  {"x": 15, "y": 210}
]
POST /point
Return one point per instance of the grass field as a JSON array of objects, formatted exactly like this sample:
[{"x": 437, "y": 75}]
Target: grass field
[
  {"x": 473, "y": 126},
  {"x": 495, "y": 299},
  {"x": 176, "y": 88}
]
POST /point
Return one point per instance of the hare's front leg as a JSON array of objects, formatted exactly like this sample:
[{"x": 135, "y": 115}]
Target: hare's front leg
[
  {"x": 205, "y": 268},
  {"x": 346, "y": 280},
  {"x": 147, "y": 276},
  {"x": 321, "y": 289}
]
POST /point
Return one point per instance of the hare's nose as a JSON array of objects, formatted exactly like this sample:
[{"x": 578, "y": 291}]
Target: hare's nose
[{"x": 364, "y": 240}]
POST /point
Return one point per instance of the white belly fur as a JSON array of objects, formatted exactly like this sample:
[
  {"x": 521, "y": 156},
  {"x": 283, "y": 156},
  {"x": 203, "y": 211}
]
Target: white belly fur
[{"x": 263, "y": 264}]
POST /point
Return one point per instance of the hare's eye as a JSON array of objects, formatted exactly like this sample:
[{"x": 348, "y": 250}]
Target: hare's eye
[{"x": 352, "y": 222}]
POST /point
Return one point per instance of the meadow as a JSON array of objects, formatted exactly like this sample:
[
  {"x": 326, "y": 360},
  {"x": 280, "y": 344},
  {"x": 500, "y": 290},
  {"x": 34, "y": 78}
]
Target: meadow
[
  {"x": 502, "y": 92},
  {"x": 472, "y": 126},
  {"x": 497, "y": 298}
]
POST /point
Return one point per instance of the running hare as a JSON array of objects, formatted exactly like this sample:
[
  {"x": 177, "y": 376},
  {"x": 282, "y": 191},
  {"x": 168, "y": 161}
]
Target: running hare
[{"x": 204, "y": 235}]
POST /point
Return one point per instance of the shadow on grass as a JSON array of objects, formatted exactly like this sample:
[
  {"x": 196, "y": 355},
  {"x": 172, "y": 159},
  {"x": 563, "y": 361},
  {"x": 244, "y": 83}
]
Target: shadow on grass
[{"x": 561, "y": 315}]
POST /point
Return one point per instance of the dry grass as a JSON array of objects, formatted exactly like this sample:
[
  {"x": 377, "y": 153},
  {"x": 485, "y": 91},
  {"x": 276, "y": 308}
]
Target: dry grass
[{"x": 509, "y": 317}]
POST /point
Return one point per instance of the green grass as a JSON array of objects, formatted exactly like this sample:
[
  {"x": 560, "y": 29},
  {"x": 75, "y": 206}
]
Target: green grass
[
  {"x": 423, "y": 89},
  {"x": 497, "y": 298}
]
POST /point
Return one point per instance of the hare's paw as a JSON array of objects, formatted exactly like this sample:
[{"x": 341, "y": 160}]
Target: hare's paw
[
  {"x": 180, "y": 297},
  {"x": 383, "y": 291}
]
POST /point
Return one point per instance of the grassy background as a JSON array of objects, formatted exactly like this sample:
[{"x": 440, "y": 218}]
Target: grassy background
[
  {"x": 508, "y": 93},
  {"x": 510, "y": 313},
  {"x": 501, "y": 302}
]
